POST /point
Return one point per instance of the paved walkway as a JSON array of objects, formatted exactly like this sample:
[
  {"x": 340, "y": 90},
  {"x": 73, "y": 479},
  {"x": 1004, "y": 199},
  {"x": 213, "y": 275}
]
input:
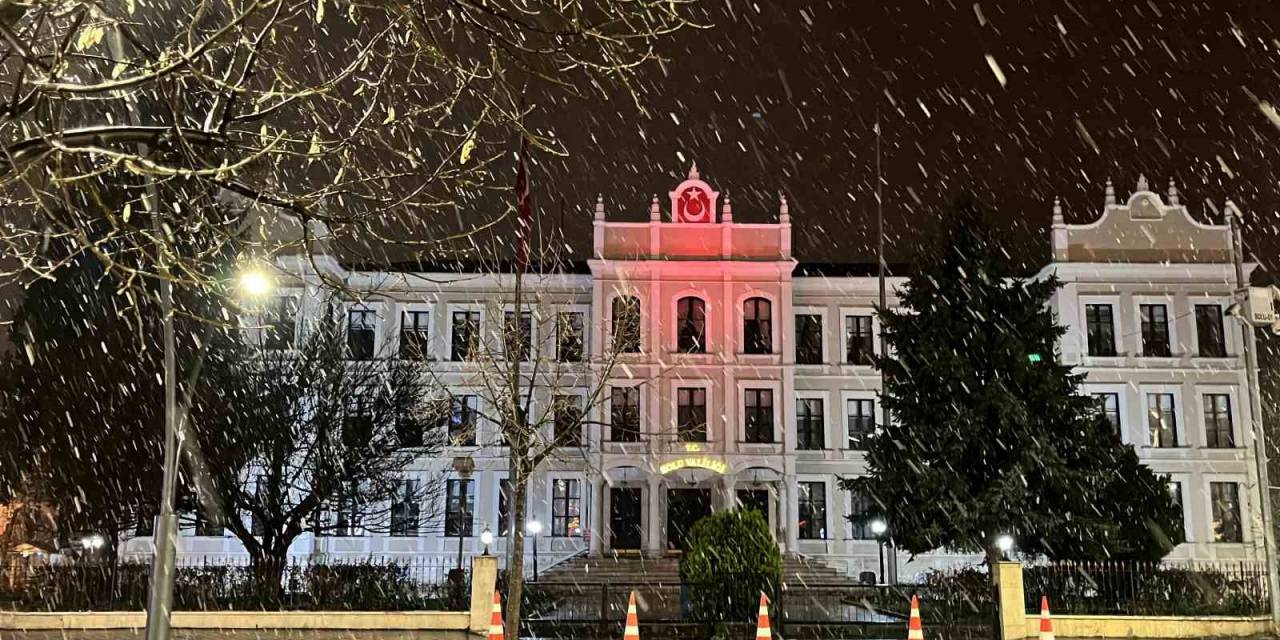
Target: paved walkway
[{"x": 235, "y": 634}]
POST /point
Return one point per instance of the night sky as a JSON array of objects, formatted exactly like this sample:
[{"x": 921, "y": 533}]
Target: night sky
[{"x": 783, "y": 95}]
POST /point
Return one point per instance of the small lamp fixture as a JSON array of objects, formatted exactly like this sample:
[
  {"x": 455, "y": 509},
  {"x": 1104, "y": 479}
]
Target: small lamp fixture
[
  {"x": 878, "y": 527},
  {"x": 534, "y": 527},
  {"x": 486, "y": 538},
  {"x": 1004, "y": 542},
  {"x": 93, "y": 542},
  {"x": 255, "y": 282}
]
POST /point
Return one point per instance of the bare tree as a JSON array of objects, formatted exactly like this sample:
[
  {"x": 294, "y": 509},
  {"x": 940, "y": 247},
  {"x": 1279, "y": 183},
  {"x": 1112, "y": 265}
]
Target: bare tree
[
  {"x": 317, "y": 439},
  {"x": 366, "y": 115}
]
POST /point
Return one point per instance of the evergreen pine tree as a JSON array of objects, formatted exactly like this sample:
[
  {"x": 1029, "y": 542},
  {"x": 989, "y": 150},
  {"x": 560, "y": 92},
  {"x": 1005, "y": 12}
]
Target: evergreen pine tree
[{"x": 990, "y": 433}]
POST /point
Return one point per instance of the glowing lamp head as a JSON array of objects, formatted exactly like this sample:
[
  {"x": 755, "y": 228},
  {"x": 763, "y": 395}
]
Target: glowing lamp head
[
  {"x": 93, "y": 542},
  {"x": 1004, "y": 543},
  {"x": 534, "y": 527},
  {"x": 879, "y": 526},
  {"x": 486, "y": 537},
  {"x": 255, "y": 282}
]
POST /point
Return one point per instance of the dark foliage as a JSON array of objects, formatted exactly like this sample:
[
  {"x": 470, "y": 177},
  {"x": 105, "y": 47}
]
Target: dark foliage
[{"x": 731, "y": 559}]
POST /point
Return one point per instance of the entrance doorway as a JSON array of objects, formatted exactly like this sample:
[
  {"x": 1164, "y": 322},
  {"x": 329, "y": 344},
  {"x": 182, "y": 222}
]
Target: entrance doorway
[
  {"x": 685, "y": 507},
  {"x": 625, "y": 518},
  {"x": 754, "y": 500}
]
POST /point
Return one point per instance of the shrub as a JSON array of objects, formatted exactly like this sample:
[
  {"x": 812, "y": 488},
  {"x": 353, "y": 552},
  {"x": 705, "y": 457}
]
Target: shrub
[{"x": 732, "y": 557}]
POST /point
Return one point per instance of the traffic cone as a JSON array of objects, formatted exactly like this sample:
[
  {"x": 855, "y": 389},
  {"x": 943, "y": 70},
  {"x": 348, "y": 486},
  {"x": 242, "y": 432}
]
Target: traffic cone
[
  {"x": 632, "y": 632},
  {"x": 763, "y": 630},
  {"x": 495, "y": 621},
  {"x": 915, "y": 631},
  {"x": 1046, "y": 622}
]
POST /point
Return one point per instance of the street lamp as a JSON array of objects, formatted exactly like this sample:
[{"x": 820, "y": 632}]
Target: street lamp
[
  {"x": 879, "y": 527},
  {"x": 255, "y": 282},
  {"x": 534, "y": 528},
  {"x": 93, "y": 542},
  {"x": 1004, "y": 543},
  {"x": 486, "y": 539}
]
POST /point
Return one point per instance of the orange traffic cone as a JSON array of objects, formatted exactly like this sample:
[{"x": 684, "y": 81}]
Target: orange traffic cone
[
  {"x": 1046, "y": 622},
  {"x": 632, "y": 632},
  {"x": 915, "y": 631},
  {"x": 495, "y": 621},
  {"x": 763, "y": 629}
]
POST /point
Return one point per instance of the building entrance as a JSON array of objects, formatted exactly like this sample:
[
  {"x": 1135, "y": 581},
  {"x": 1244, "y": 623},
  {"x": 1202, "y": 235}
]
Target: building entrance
[
  {"x": 625, "y": 518},
  {"x": 685, "y": 507}
]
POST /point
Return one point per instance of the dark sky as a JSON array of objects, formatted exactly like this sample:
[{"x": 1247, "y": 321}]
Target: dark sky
[{"x": 783, "y": 95}]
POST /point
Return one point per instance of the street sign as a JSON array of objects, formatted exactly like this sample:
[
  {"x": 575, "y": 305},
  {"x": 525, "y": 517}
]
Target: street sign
[{"x": 1260, "y": 306}]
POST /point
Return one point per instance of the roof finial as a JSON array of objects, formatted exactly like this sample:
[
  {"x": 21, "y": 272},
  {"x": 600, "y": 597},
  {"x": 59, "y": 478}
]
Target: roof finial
[
  {"x": 726, "y": 209},
  {"x": 784, "y": 211},
  {"x": 599, "y": 206},
  {"x": 655, "y": 212},
  {"x": 1142, "y": 183},
  {"x": 1173, "y": 194},
  {"x": 1232, "y": 210},
  {"x": 1057, "y": 212},
  {"x": 693, "y": 171},
  {"x": 1111, "y": 193}
]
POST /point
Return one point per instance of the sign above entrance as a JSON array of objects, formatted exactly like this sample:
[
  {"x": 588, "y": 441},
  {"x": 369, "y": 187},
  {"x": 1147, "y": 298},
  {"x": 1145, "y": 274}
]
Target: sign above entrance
[{"x": 695, "y": 462}]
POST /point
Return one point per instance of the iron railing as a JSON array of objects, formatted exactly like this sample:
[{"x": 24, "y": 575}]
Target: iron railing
[
  {"x": 235, "y": 583},
  {"x": 1148, "y": 588}
]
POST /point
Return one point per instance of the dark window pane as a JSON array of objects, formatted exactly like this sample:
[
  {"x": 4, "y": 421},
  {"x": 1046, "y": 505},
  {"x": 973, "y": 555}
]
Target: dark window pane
[
  {"x": 1162, "y": 420},
  {"x": 361, "y": 334},
  {"x": 460, "y": 504},
  {"x": 758, "y": 407},
  {"x": 810, "y": 424},
  {"x": 691, "y": 325},
  {"x": 757, "y": 326},
  {"x": 280, "y": 323},
  {"x": 862, "y": 422},
  {"x": 569, "y": 337},
  {"x": 566, "y": 508},
  {"x": 862, "y": 510},
  {"x": 626, "y": 324},
  {"x": 808, "y": 339},
  {"x": 691, "y": 414},
  {"x": 624, "y": 414},
  {"x": 1100, "y": 325},
  {"x": 568, "y": 421},
  {"x": 505, "y": 494},
  {"x": 1225, "y": 497},
  {"x": 1219, "y": 433},
  {"x": 405, "y": 510},
  {"x": 414, "y": 333},
  {"x": 463, "y": 422},
  {"x": 1155, "y": 330},
  {"x": 517, "y": 337},
  {"x": 1109, "y": 407},
  {"x": 813, "y": 511},
  {"x": 465, "y": 341},
  {"x": 859, "y": 341},
  {"x": 1175, "y": 491},
  {"x": 1209, "y": 331}
]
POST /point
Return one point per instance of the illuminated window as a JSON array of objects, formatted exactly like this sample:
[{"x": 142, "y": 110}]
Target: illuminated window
[
  {"x": 626, "y": 324},
  {"x": 757, "y": 326},
  {"x": 691, "y": 325}
]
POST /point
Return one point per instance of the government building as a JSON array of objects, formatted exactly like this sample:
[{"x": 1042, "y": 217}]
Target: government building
[{"x": 715, "y": 369}]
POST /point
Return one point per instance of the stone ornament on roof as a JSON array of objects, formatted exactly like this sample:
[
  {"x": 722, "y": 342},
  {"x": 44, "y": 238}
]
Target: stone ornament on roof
[{"x": 693, "y": 201}]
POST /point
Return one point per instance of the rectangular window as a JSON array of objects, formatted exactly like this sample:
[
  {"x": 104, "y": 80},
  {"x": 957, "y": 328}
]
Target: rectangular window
[
  {"x": 465, "y": 343},
  {"x": 568, "y": 421},
  {"x": 626, "y": 324},
  {"x": 414, "y": 333},
  {"x": 862, "y": 509},
  {"x": 280, "y": 323},
  {"x": 808, "y": 339},
  {"x": 462, "y": 421},
  {"x": 811, "y": 428},
  {"x": 813, "y": 511},
  {"x": 1209, "y": 331},
  {"x": 404, "y": 510},
  {"x": 757, "y": 326},
  {"x": 1218, "y": 431},
  {"x": 691, "y": 325},
  {"x": 570, "y": 342},
  {"x": 146, "y": 524},
  {"x": 759, "y": 415},
  {"x": 361, "y": 333},
  {"x": 566, "y": 508},
  {"x": 459, "y": 508},
  {"x": 691, "y": 414},
  {"x": 348, "y": 521},
  {"x": 862, "y": 422},
  {"x": 1162, "y": 420},
  {"x": 357, "y": 424},
  {"x": 1109, "y": 407},
  {"x": 1225, "y": 497},
  {"x": 1175, "y": 492},
  {"x": 517, "y": 337},
  {"x": 624, "y": 414},
  {"x": 1155, "y": 330},
  {"x": 1101, "y": 329},
  {"x": 859, "y": 345},
  {"x": 409, "y": 431},
  {"x": 505, "y": 493}
]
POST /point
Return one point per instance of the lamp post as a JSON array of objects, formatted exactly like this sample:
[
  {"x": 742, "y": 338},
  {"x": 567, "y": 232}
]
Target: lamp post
[
  {"x": 534, "y": 528},
  {"x": 879, "y": 527}
]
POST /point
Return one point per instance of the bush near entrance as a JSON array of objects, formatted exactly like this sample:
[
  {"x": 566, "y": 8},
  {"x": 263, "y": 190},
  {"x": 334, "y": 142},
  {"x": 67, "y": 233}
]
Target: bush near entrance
[{"x": 731, "y": 558}]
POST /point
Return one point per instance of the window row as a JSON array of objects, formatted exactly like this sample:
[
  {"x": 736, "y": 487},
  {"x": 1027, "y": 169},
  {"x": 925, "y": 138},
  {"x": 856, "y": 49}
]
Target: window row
[
  {"x": 1163, "y": 427},
  {"x": 1154, "y": 330},
  {"x": 691, "y": 325}
]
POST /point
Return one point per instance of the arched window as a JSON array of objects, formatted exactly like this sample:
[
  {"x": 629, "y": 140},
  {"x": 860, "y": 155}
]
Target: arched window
[
  {"x": 626, "y": 324},
  {"x": 691, "y": 325},
  {"x": 757, "y": 326}
]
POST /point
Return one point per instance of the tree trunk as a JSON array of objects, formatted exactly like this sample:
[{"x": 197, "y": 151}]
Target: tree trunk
[
  {"x": 267, "y": 568},
  {"x": 515, "y": 554}
]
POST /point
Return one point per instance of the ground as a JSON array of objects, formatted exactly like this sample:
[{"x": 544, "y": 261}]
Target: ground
[{"x": 235, "y": 634}]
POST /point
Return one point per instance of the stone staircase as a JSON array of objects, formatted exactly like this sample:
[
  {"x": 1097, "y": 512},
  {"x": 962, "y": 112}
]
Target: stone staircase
[{"x": 797, "y": 572}]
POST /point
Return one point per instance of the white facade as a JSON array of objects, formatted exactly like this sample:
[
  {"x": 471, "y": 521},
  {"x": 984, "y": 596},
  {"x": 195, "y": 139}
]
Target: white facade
[{"x": 628, "y": 493}]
